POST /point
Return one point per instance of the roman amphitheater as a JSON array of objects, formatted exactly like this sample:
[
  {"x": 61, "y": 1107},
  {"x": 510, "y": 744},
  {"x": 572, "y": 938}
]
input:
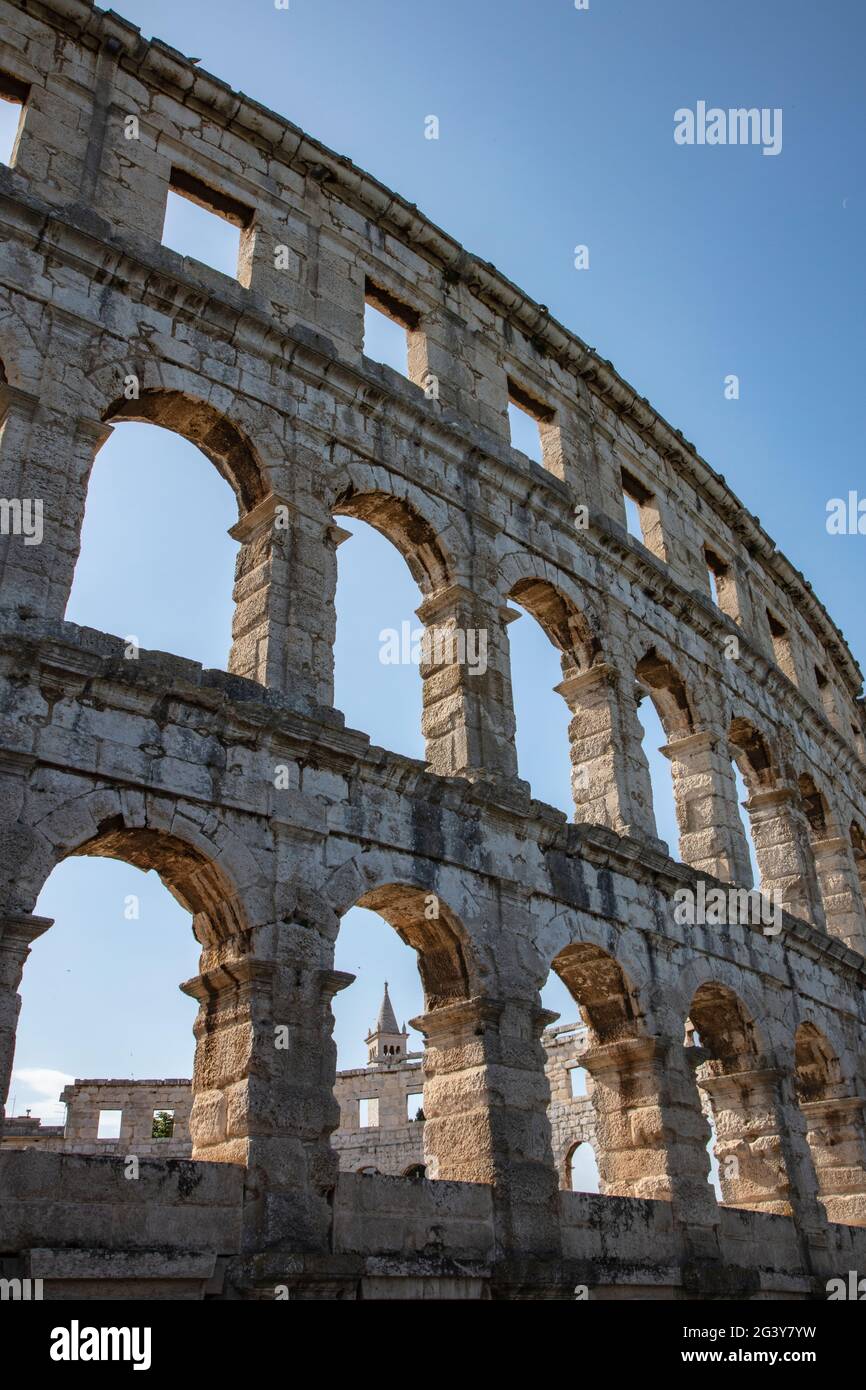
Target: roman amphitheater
[{"x": 269, "y": 819}]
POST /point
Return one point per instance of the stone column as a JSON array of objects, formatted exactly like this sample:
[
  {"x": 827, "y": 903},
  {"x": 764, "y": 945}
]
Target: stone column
[
  {"x": 468, "y": 719},
  {"x": 485, "y": 1104},
  {"x": 705, "y": 792},
  {"x": 45, "y": 463},
  {"x": 609, "y": 775},
  {"x": 836, "y": 1134},
  {"x": 841, "y": 893},
  {"x": 781, "y": 835},
  {"x": 17, "y": 933},
  {"x": 763, "y": 1156},
  {"x": 260, "y": 592},
  {"x": 652, "y": 1136},
  {"x": 263, "y": 1092}
]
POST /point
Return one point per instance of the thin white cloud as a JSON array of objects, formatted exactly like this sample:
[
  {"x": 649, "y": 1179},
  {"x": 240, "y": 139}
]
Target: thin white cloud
[{"x": 37, "y": 1089}]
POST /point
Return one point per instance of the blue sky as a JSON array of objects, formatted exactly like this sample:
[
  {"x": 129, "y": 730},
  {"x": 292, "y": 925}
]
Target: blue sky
[{"x": 556, "y": 129}]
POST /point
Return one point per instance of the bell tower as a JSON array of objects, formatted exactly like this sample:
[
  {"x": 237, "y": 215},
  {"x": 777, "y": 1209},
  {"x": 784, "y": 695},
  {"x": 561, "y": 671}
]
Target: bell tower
[{"x": 387, "y": 1044}]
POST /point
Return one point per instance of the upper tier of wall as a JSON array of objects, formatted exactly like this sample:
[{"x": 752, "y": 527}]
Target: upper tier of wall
[{"x": 475, "y": 329}]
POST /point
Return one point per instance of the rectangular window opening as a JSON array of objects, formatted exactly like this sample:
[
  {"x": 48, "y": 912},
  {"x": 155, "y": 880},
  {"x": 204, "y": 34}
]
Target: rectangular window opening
[
  {"x": 13, "y": 104},
  {"x": 632, "y": 517},
  {"x": 635, "y": 497},
  {"x": 415, "y": 1105},
  {"x": 714, "y": 587},
  {"x": 722, "y": 586},
  {"x": 782, "y": 647},
  {"x": 577, "y": 1078},
  {"x": 163, "y": 1124},
  {"x": 368, "y": 1113},
  {"x": 387, "y": 326},
  {"x": 109, "y": 1124},
  {"x": 208, "y": 226},
  {"x": 827, "y": 696},
  {"x": 528, "y": 419}
]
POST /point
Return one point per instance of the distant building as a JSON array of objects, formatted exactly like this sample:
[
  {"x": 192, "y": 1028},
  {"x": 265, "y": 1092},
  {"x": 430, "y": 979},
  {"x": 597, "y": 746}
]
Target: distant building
[{"x": 381, "y": 1126}]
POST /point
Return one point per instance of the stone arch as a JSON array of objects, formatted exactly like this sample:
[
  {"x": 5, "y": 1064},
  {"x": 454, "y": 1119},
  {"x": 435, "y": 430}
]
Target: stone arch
[
  {"x": 198, "y": 883},
  {"x": 589, "y": 685},
  {"x": 645, "y": 1131},
  {"x": 557, "y": 605},
  {"x": 816, "y": 807},
  {"x": 666, "y": 688},
  {"x": 607, "y": 999},
  {"x": 568, "y": 629},
  {"x": 707, "y": 978},
  {"x": 211, "y": 878},
  {"x": 455, "y": 683},
  {"x": 405, "y": 519},
  {"x": 777, "y": 822},
  {"x": 439, "y": 941},
  {"x": 834, "y": 1120},
  {"x": 832, "y": 859},
  {"x": 475, "y": 1112},
  {"x": 415, "y": 909},
  {"x": 209, "y": 871},
  {"x": 818, "y": 1071},
  {"x": 726, "y": 1028},
  {"x": 752, "y": 754},
  {"x": 743, "y": 1102},
  {"x": 218, "y": 437},
  {"x": 703, "y": 795},
  {"x": 176, "y": 400},
  {"x": 560, "y": 618},
  {"x": 568, "y": 1164}
]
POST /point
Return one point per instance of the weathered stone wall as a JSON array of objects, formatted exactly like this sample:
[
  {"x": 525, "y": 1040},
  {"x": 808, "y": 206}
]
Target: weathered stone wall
[
  {"x": 158, "y": 762},
  {"x": 572, "y": 1116},
  {"x": 396, "y": 1143},
  {"x": 137, "y": 1101}
]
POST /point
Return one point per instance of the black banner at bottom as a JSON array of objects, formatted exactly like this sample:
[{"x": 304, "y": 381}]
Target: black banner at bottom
[{"x": 58, "y": 1339}]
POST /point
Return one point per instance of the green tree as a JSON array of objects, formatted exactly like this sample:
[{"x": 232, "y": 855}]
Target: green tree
[{"x": 163, "y": 1124}]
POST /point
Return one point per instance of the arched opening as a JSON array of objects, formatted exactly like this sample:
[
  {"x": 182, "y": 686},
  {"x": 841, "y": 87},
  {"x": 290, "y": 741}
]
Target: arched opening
[
  {"x": 219, "y": 439},
  {"x": 98, "y": 990},
  {"x": 377, "y": 650},
  {"x": 156, "y": 559},
  {"x": 546, "y": 726},
  {"x": 741, "y": 1101},
  {"x": 381, "y": 642},
  {"x": 571, "y": 1110},
  {"x": 831, "y": 859},
  {"x": 818, "y": 1074},
  {"x": 606, "y": 1000},
  {"x": 100, "y": 999},
  {"x": 405, "y": 949},
  {"x": 653, "y": 740},
  {"x": 753, "y": 773},
  {"x": 624, "y": 1081},
  {"x": 666, "y": 717},
  {"x": 582, "y": 1168},
  {"x": 835, "y": 1129},
  {"x": 814, "y": 805}
]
